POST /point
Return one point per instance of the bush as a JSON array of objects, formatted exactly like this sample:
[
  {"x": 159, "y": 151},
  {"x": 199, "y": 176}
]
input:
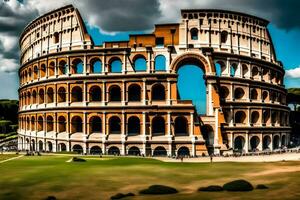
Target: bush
[
  {"x": 238, "y": 185},
  {"x": 51, "y": 198},
  {"x": 211, "y": 188},
  {"x": 159, "y": 189},
  {"x": 121, "y": 195},
  {"x": 76, "y": 159},
  {"x": 261, "y": 187}
]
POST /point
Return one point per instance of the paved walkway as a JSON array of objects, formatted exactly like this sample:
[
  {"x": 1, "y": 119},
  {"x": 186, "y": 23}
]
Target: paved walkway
[{"x": 259, "y": 158}]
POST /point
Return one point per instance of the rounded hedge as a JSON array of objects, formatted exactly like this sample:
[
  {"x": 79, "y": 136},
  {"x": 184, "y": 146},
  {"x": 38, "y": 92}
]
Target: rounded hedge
[
  {"x": 159, "y": 189},
  {"x": 238, "y": 186},
  {"x": 261, "y": 187},
  {"x": 121, "y": 195},
  {"x": 211, "y": 188}
]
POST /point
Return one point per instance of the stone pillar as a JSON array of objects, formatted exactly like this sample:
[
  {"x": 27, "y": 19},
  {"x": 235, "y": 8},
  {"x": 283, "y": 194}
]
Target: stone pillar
[
  {"x": 169, "y": 93},
  {"x": 103, "y": 93},
  {"x": 144, "y": 92},
  {"x": 123, "y": 133},
  {"x": 246, "y": 143}
]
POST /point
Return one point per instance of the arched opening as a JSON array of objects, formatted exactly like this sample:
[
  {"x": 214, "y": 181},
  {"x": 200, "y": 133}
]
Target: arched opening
[
  {"x": 134, "y": 93},
  {"x": 61, "y": 95},
  {"x": 115, "y": 93},
  {"x": 160, "y": 152},
  {"x": 239, "y": 143},
  {"x": 254, "y": 142},
  {"x": 220, "y": 68},
  {"x": 140, "y": 64},
  {"x": 28, "y": 98},
  {"x": 35, "y": 72},
  {"x": 95, "y": 93},
  {"x": 95, "y": 124},
  {"x": 77, "y": 149},
  {"x": 61, "y": 124},
  {"x": 224, "y": 92},
  {"x": 50, "y": 123},
  {"x": 43, "y": 70},
  {"x": 96, "y": 150},
  {"x": 233, "y": 69},
  {"x": 183, "y": 152},
  {"x": 34, "y": 97},
  {"x": 276, "y": 140},
  {"x": 181, "y": 126},
  {"x": 29, "y": 74},
  {"x": 158, "y": 92},
  {"x": 41, "y": 96},
  {"x": 254, "y": 72},
  {"x": 240, "y": 117},
  {"x": 62, "y": 147},
  {"x": 28, "y": 124},
  {"x": 56, "y": 38},
  {"x": 158, "y": 126},
  {"x": 113, "y": 151},
  {"x": 115, "y": 125},
  {"x": 134, "y": 126},
  {"x": 40, "y": 123},
  {"x": 50, "y": 146},
  {"x": 239, "y": 93},
  {"x": 266, "y": 116},
  {"x": 265, "y": 96},
  {"x": 96, "y": 66},
  {"x": 266, "y": 142},
  {"x": 32, "y": 124},
  {"x": 224, "y": 35},
  {"x": 254, "y": 117},
  {"x": 274, "y": 117},
  {"x": 50, "y": 95},
  {"x": 33, "y": 145},
  {"x": 160, "y": 63},
  {"x": 191, "y": 84},
  {"x": 77, "y": 67},
  {"x": 194, "y": 34},
  {"x": 76, "y": 124},
  {"x": 63, "y": 68},
  {"x": 76, "y": 94},
  {"x": 134, "y": 151},
  {"x": 41, "y": 146},
  {"x": 115, "y": 66},
  {"x": 51, "y": 69},
  {"x": 244, "y": 70},
  {"x": 253, "y": 94},
  {"x": 208, "y": 135},
  {"x": 283, "y": 141}
]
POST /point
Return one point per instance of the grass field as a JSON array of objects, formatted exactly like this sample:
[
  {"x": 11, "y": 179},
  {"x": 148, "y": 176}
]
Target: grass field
[{"x": 99, "y": 178}]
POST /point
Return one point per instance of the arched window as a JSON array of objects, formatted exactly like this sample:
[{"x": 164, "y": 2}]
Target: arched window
[
  {"x": 158, "y": 126},
  {"x": 50, "y": 95},
  {"x": 34, "y": 97},
  {"x": 96, "y": 66},
  {"x": 133, "y": 126},
  {"x": 265, "y": 95},
  {"x": 29, "y": 74},
  {"x": 274, "y": 117},
  {"x": 61, "y": 95},
  {"x": 49, "y": 123},
  {"x": 61, "y": 124},
  {"x": 266, "y": 142},
  {"x": 77, "y": 66},
  {"x": 115, "y": 93},
  {"x": 220, "y": 68},
  {"x": 224, "y": 35},
  {"x": 40, "y": 123},
  {"x": 233, "y": 69},
  {"x": 160, "y": 151},
  {"x": 276, "y": 140},
  {"x": 244, "y": 70},
  {"x": 224, "y": 92},
  {"x": 160, "y": 63},
  {"x": 115, "y": 125},
  {"x": 35, "y": 72},
  {"x": 254, "y": 72},
  {"x": 254, "y": 117},
  {"x": 76, "y": 124},
  {"x": 95, "y": 93},
  {"x": 239, "y": 143},
  {"x": 76, "y": 94},
  {"x": 32, "y": 124},
  {"x": 253, "y": 94},
  {"x": 28, "y": 98},
  {"x": 56, "y": 38},
  {"x": 239, "y": 93},
  {"x": 41, "y": 96},
  {"x": 95, "y": 124},
  {"x": 134, "y": 151},
  {"x": 96, "y": 150},
  {"x": 181, "y": 126},
  {"x": 158, "y": 92},
  {"x": 51, "y": 69},
  {"x": 266, "y": 116},
  {"x": 43, "y": 70},
  {"x": 116, "y": 66},
  {"x": 113, "y": 151},
  {"x": 240, "y": 117},
  {"x": 77, "y": 148},
  {"x": 62, "y": 68},
  {"x": 194, "y": 34},
  {"x": 140, "y": 64},
  {"x": 134, "y": 93}
]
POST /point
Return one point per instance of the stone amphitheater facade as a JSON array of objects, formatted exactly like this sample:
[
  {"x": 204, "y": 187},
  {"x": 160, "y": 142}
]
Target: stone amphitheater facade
[{"x": 77, "y": 96}]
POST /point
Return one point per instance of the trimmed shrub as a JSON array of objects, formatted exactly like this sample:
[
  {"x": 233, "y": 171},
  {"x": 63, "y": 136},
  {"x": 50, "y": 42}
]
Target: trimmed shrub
[
  {"x": 121, "y": 195},
  {"x": 211, "y": 188},
  {"x": 51, "y": 198},
  {"x": 76, "y": 159},
  {"x": 159, "y": 189},
  {"x": 261, "y": 187},
  {"x": 238, "y": 186}
]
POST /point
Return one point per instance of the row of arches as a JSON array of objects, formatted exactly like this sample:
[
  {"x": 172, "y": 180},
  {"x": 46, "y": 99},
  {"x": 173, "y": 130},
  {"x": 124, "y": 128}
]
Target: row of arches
[
  {"x": 95, "y": 123},
  {"x": 95, "y": 66},
  {"x": 134, "y": 93}
]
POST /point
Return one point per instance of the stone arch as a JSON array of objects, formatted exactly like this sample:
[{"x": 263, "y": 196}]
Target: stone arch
[
  {"x": 62, "y": 124},
  {"x": 266, "y": 142},
  {"x": 115, "y": 93},
  {"x": 62, "y": 147},
  {"x": 134, "y": 151},
  {"x": 140, "y": 63},
  {"x": 276, "y": 141},
  {"x": 113, "y": 151},
  {"x": 158, "y": 92},
  {"x": 95, "y": 124},
  {"x": 134, "y": 92},
  {"x": 183, "y": 152},
  {"x": 240, "y": 117},
  {"x": 76, "y": 124},
  {"x": 181, "y": 126},
  {"x": 254, "y": 117},
  {"x": 133, "y": 126},
  {"x": 77, "y": 148},
  {"x": 239, "y": 143},
  {"x": 77, "y": 94},
  {"x": 114, "y": 125},
  {"x": 194, "y": 33},
  {"x": 158, "y": 126},
  {"x": 160, "y": 151},
  {"x": 254, "y": 142},
  {"x": 283, "y": 141},
  {"x": 253, "y": 94},
  {"x": 95, "y": 65},
  {"x": 95, "y": 93},
  {"x": 41, "y": 145},
  {"x": 61, "y": 94},
  {"x": 50, "y": 123},
  {"x": 95, "y": 150},
  {"x": 50, "y": 95}
]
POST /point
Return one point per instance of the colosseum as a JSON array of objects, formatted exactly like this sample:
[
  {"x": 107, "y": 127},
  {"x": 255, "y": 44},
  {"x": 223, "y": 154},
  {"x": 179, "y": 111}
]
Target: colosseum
[{"x": 122, "y": 97}]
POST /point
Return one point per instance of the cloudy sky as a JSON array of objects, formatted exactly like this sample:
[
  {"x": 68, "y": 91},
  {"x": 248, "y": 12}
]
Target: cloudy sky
[{"x": 106, "y": 18}]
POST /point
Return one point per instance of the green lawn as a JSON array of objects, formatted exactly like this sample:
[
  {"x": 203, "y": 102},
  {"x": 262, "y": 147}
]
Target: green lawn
[
  {"x": 38, "y": 177},
  {"x": 6, "y": 156}
]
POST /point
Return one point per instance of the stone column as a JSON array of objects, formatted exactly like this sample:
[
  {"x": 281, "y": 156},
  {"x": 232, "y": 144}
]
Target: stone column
[{"x": 169, "y": 93}]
